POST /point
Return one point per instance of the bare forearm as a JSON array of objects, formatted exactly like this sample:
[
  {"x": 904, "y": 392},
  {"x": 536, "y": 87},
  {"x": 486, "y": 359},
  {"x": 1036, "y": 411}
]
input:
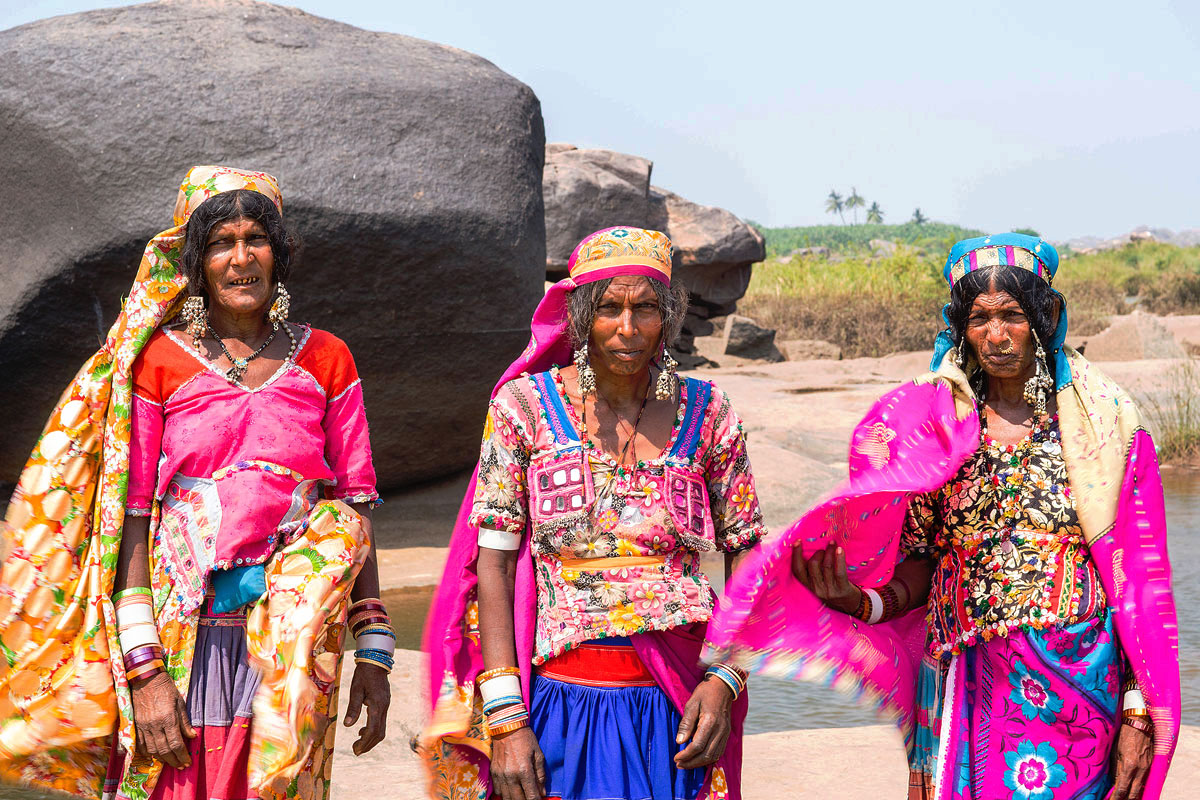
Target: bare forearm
[
  {"x": 497, "y": 573},
  {"x": 912, "y": 581},
  {"x": 133, "y": 561},
  {"x": 367, "y": 583}
]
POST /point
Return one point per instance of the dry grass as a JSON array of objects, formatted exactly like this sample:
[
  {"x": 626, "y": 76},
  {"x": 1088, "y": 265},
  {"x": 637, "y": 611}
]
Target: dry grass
[
  {"x": 1173, "y": 415},
  {"x": 875, "y": 307}
]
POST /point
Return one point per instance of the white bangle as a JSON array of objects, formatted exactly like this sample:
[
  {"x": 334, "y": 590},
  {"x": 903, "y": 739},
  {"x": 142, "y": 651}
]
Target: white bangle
[
  {"x": 500, "y": 686},
  {"x": 1133, "y": 701},
  {"x": 876, "y": 603},
  {"x": 138, "y": 635},
  {"x": 499, "y": 540},
  {"x": 375, "y": 641},
  {"x": 135, "y": 613}
]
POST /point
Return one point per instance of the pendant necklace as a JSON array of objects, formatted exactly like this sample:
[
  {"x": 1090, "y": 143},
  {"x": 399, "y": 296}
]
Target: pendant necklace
[{"x": 238, "y": 370}]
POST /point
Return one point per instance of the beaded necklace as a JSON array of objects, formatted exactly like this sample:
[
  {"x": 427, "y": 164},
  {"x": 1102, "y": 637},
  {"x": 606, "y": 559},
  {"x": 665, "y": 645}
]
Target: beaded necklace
[
  {"x": 238, "y": 371},
  {"x": 1009, "y": 464}
]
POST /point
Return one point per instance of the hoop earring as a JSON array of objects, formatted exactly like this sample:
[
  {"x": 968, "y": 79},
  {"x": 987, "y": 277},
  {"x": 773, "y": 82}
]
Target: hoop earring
[
  {"x": 665, "y": 389},
  {"x": 195, "y": 315},
  {"x": 587, "y": 375},
  {"x": 281, "y": 307},
  {"x": 1037, "y": 386}
]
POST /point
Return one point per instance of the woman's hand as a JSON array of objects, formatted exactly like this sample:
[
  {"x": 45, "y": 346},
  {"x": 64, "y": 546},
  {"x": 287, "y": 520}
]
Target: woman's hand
[
  {"x": 1131, "y": 759},
  {"x": 160, "y": 721},
  {"x": 518, "y": 767},
  {"x": 706, "y": 721},
  {"x": 369, "y": 687},
  {"x": 825, "y": 576}
]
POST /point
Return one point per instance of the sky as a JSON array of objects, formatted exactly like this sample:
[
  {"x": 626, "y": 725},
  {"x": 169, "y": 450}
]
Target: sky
[{"x": 1073, "y": 118}]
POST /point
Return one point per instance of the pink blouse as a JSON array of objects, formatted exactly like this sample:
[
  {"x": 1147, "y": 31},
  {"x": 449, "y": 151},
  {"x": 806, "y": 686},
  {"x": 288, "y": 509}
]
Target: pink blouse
[{"x": 235, "y": 471}]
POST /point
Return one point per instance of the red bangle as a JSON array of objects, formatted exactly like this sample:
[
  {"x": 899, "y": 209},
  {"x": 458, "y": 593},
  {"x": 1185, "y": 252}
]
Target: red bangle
[{"x": 1140, "y": 723}]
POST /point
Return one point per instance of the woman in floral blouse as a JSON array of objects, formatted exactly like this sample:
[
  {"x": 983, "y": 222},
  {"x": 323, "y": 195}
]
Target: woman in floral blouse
[
  {"x": 570, "y": 667},
  {"x": 1011, "y": 501}
]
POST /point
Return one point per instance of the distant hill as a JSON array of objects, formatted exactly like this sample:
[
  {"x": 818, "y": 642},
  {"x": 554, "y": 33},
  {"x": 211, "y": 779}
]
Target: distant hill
[{"x": 850, "y": 239}]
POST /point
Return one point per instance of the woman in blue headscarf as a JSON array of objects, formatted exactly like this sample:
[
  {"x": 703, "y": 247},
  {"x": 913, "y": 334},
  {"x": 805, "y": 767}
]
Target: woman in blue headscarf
[{"x": 994, "y": 572}]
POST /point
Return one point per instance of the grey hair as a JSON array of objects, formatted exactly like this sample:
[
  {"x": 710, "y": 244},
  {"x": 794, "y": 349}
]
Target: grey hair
[{"x": 584, "y": 301}]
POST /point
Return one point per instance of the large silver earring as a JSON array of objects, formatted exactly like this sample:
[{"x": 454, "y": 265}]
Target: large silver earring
[
  {"x": 587, "y": 375},
  {"x": 280, "y": 308},
  {"x": 1037, "y": 386},
  {"x": 665, "y": 390},
  {"x": 960, "y": 354},
  {"x": 196, "y": 316}
]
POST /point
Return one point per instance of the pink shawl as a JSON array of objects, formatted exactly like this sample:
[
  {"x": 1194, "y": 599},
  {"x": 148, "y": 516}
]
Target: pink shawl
[{"x": 913, "y": 440}]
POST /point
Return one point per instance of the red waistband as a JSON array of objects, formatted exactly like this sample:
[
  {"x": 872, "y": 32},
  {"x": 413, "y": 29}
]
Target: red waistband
[{"x": 598, "y": 664}]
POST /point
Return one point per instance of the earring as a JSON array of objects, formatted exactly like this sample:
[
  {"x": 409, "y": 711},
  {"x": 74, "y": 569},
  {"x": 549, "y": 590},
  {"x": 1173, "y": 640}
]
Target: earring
[
  {"x": 196, "y": 316},
  {"x": 1037, "y": 386},
  {"x": 281, "y": 306},
  {"x": 960, "y": 354},
  {"x": 665, "y": 390},
  {"x": 587, "y": 375}
]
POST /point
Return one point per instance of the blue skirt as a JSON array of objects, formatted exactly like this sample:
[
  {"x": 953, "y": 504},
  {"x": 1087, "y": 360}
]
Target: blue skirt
[{"x": 609, "y": 743}]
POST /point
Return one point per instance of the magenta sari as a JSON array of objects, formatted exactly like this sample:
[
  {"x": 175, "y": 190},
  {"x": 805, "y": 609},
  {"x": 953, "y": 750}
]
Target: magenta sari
[
  {"x": 913, "y": 441},
  {"x": 455, "y": 745}
]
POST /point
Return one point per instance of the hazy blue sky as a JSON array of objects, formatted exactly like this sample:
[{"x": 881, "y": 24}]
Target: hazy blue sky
[{"x": 1070, "y": 117}]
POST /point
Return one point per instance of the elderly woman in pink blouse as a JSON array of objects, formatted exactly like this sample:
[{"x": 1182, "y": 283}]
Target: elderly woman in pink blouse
[{"x": 566, "y": 635}]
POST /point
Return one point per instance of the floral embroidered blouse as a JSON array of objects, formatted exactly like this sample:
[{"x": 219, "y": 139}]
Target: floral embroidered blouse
[
  {"x": 616, "y": 549},
  {"x": 1008, "y": 549}
]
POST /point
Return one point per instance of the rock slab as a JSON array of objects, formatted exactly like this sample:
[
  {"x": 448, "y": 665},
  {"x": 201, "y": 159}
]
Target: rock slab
[
  {"x": 586, "y": 190},
  {"x": 1134, "y": 337},
  {"x": 411, "y": 170}
]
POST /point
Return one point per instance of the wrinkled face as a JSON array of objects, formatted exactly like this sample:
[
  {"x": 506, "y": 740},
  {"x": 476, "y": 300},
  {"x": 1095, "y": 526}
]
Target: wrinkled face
[
  {"x": 1000, "y": 335},
  {"x": 627, "y": 331},
  {"x": 238, "y": 262}
]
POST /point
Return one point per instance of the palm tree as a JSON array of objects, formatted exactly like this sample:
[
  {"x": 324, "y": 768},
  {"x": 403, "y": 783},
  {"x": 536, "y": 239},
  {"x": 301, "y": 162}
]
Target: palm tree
[
  {"x": 834, "y": 205},
  {"x": 855, "y": 201},
  {"x": 875, "y": 214},
  {"x": 918, "y": 217}
]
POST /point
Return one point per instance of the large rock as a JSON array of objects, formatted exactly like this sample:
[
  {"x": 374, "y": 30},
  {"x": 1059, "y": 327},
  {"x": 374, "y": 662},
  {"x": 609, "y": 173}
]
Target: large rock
[
  {"x": 586, "y": 190},
  {"x": 411, "y": 170},
  {"x": 1134, "y": 337}
]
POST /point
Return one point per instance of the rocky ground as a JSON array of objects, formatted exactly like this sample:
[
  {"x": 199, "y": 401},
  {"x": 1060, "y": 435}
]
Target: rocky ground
[{"x": 798, "y": 415}]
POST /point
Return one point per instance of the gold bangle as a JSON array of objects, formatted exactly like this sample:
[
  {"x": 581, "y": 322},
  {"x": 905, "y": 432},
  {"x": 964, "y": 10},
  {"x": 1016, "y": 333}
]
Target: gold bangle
[
  {"x": 1135, "y": 712},
  {"x": 508, "y": 727},
  {"x": 487, "y": 675}
]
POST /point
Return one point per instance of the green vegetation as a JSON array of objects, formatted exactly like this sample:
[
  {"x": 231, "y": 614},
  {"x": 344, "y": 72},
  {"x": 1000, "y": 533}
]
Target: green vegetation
[
  {"x": 935, "y": 238},
  {"x": 872, "y": 307},
  {"x": 1174, "y": 416}
]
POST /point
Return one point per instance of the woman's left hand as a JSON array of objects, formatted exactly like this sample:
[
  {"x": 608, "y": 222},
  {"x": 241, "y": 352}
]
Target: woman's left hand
[
  {"x": 706, "y": 721},
  {"x": 369, "y": 687},
  {"x": 1132, "y": 755}
]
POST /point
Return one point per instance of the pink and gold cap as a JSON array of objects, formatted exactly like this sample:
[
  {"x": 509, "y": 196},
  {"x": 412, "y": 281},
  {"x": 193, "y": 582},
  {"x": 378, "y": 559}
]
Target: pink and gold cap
[{"x": 621, "y": 251}]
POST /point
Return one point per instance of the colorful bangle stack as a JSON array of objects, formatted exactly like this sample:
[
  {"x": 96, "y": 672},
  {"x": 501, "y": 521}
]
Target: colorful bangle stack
[
  {"x": 137, "y": 634},
  {"x": 731, "y": 676},
  {"x": 879, "y": 605},
  {"x": 374, "y": 637},
  {"x": 503, "y": 708},
  {"x": 891, "y": 602}
]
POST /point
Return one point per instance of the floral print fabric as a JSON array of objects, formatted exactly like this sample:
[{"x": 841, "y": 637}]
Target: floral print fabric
[
  {"x": 1032, "y": 716},
  {"x": 1008, "y": 549},
  {"x": 656, "y": 583}
]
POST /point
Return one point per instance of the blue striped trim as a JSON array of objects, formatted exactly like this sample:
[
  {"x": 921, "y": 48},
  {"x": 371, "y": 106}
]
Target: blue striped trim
[
  {"x": 556, "y": 413},
  {"x": 698, "y": 394}
]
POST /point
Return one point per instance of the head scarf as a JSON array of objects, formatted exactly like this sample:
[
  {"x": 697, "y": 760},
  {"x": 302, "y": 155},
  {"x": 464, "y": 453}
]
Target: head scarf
[
  {"x": 63, "y": 532},
  {"x": 1018, "y": 251},
  {"x": 455, "y": 742}
]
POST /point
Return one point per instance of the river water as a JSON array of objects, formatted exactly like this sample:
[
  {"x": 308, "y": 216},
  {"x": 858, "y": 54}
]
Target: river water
[{"x": 778, "y": 705}]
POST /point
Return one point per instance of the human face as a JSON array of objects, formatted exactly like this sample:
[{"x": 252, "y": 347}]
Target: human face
[
  {"x": 1000, "y": 335},
  {"x": 628, "y": 328},
  {"x": 238, "y": 262}
]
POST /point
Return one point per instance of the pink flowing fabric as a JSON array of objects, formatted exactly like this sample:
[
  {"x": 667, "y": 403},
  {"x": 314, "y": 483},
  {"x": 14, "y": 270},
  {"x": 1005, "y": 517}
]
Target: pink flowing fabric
[{"x": 912, "y": 441}]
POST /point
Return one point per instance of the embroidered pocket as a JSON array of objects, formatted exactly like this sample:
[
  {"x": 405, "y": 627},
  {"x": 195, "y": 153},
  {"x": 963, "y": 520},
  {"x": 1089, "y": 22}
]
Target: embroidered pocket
[
  {"x": 560, "y": 486},
  {"x": 687, "y": 501}
]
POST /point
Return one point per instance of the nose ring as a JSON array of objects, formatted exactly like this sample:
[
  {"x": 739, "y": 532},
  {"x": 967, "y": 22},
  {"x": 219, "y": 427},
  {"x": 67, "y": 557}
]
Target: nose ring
[{"x": 1007, "y": 347}]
